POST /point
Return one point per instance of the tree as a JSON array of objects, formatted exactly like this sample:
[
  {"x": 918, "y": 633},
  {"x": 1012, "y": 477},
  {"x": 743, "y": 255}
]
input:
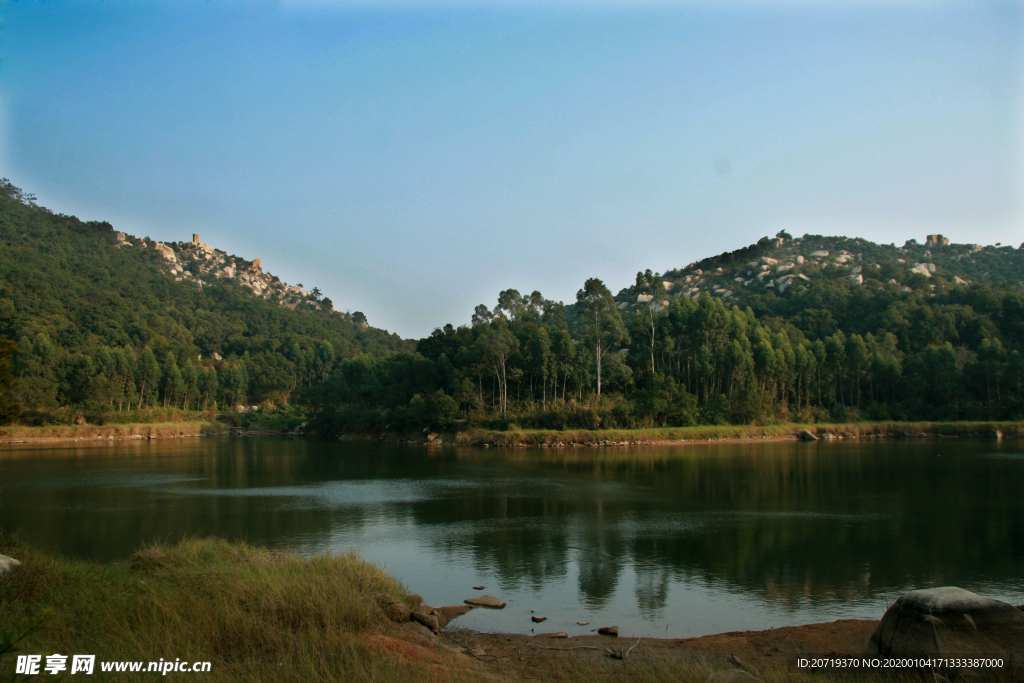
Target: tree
[
  {"x": 149, "y": 374},
  {"x": 482, "y": 315},
  {"x": 650, "y": 285},
  {"x": 359, "y": 318},
  {"x": 9, "y": 408},
  {"x": 496, "y": 345},
  {"x": 600, "y": 323}
]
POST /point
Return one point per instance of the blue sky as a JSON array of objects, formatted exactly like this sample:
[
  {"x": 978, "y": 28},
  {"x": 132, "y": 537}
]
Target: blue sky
[{"x": 413, "y": 159}]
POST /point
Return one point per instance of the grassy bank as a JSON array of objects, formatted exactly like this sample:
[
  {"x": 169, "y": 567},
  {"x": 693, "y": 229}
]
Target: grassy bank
[
  {"x": 253, "y": 614},
  {"x": 611, "y": 437},
  {"x": 157, "y": 430}
]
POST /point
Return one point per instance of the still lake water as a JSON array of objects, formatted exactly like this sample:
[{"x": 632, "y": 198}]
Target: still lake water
[{"x": 667, "y": 541}]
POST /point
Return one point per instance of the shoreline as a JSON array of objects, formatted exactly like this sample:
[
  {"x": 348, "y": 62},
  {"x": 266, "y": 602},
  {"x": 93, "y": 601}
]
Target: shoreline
[
  {"x": 307, "y": 610},
  {"x": 678, "y": 436},
  {"x": 482, "y": 438},
  {"x": 118, "y": 432}
]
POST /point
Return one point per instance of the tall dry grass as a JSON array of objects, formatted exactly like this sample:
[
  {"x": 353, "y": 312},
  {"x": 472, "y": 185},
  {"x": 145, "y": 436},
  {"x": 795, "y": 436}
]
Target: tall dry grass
[{"x": 255, "y": 615}]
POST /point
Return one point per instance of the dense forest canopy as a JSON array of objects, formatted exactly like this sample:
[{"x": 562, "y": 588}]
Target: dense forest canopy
[
  {"x": 813, "y": 328},
  {"x": 101, "y": 324}
]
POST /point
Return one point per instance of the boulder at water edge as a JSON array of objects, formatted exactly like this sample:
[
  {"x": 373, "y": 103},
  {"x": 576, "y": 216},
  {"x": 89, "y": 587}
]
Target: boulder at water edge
[
  {"x": 949, "y": 622},
  {"x": 7, "y": 564}
]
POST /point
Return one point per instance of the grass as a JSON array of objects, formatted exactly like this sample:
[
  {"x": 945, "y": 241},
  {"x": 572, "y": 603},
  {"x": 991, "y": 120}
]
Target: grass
[
  {"x": 551, "y": 437},
  {"x": 118, "y": 431},
  {"x": 254, "y": 614}
]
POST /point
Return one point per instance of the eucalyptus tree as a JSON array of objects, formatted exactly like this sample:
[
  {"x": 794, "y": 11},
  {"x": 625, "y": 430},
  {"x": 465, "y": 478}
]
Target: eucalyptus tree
[
  {"x": 496, "y": 346},
  {"x": 599, "y": 321},
  {"x": 652, "y": 286}
]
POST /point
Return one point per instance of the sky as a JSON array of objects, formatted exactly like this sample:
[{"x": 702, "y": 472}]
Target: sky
[{"x": 412, "y": 159}]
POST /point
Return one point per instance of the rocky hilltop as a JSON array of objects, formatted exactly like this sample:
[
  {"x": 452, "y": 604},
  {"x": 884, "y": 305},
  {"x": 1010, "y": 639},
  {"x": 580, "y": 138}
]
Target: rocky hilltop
[
  {"x": 786, "y": 267},
  {"x": 197, "y": 261}
]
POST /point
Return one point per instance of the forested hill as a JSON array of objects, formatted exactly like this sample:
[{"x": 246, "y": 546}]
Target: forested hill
[
  {"x": 107, "y": 319},
  {"x": 807, "y": 329}
]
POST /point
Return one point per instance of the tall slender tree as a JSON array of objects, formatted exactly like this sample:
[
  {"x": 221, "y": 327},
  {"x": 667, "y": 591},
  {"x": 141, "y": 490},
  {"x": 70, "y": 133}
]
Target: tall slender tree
[{"x": 600, "y": 323}]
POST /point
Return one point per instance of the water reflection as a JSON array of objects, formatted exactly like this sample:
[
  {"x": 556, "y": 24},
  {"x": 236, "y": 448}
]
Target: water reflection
[{"x": 784, "y": 529}]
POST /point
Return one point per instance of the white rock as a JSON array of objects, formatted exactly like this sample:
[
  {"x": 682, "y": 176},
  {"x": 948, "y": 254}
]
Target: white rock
[
  {"x": 165, "y": 251},
  {"x": 7, "y": 564},
  {"x": 856, "y": 270},
  {"x": 856, "y": 280},
  {"x": 821, "y": 253},
  {"x": 769, "y": 261},
  {"x": 644, "y": 298},
  {"x": 800, "y": 260}
]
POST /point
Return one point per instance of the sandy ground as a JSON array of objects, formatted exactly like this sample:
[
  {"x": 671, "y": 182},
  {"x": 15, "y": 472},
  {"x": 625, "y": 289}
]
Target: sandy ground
[{"x": 513, "y": 657}]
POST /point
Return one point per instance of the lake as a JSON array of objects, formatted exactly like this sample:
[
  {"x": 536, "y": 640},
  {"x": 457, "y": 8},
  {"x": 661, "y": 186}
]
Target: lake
[{"x": 661, "y": 541}]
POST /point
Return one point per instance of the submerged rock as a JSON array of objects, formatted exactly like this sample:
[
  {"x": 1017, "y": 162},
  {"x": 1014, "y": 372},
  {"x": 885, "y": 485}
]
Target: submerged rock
[
  {"x": 805, "y": 435},
  {"x": 608, "y": 631}
]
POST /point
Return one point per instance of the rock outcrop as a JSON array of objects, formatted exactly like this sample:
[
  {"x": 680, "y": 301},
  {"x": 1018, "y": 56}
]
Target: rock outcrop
[{"x": 949, "y": 622}]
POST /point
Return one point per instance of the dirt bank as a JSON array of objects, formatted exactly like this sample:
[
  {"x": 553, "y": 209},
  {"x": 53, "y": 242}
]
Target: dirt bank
[
  {"x": 118, "y": 432},
  {"x": 769, "y": 654}
]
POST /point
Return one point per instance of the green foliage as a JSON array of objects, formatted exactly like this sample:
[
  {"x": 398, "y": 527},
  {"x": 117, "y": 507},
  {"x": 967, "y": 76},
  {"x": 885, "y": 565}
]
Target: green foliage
[{"x": 9, "y": 408}]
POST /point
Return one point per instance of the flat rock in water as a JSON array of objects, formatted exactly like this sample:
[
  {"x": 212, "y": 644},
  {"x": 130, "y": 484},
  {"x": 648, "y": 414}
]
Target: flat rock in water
[
  {"x": 949, "y": 622},
  {"x": 486, "y": 601},
  {"x": 608, "y": 631},
  {"x": 535, "y": 619},
  {"x": 556, "y": 634},
  {"x": 479, "y": 588},
  {"x": 805, "y": 435},
  {"x": 582, "y": 623},
  {"x": 7, "y": 564}
]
